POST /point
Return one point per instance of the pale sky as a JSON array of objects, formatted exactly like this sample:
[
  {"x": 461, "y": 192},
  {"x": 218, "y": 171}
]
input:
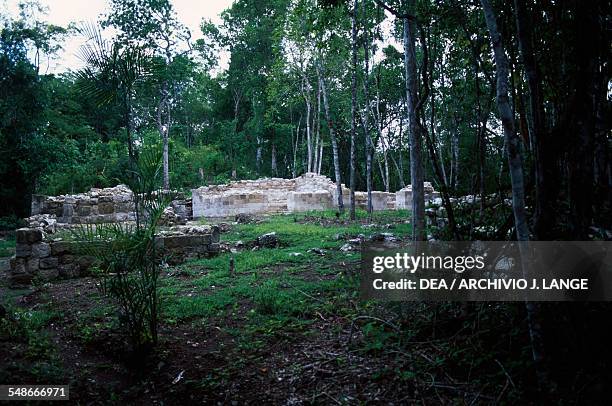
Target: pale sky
[{"x": 62, "y": 12}]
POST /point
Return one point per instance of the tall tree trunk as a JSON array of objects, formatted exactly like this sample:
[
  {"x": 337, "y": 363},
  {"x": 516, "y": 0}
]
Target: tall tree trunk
[
  {"x": 379, "y": 128},
  {"x": 414, "y": 136},
  {"x": 513, "y": 149},
  {"x": 353, "y": 108},
  {"x": 544, "y": 168},
  {"x": 163, "y": 111},
  {"x": 332, "y": 135},
  {"x": 319, "y": 140},
  {"x": 258, "y": 157},
  {"x": 273, "y": 165},
  {"x": 306, "y": 94},
  {"x": 296, "y": 147},
  {"x": 366, "y": 127},
  {"x": 237, "y": 98},
  {"x": 400, "y": 147},
  {"x": 455, "y": 158}
]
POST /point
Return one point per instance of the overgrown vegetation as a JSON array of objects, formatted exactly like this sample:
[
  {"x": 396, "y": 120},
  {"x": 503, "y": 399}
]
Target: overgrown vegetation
[{"x": 127, "y": 257}]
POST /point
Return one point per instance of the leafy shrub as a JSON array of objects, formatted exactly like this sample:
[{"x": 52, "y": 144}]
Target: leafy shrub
[
  {"x": 11, "y": 223},
  {"x": 126, "y": 254}
]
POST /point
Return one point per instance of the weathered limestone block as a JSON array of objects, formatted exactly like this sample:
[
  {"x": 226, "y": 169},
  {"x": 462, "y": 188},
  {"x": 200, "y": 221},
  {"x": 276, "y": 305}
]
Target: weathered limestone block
[
  {"x": 106, "y": 208},
  {"x": 67, "y": 212},
  {"x": 305, "y": 201},
  {"x": 18, "y": 265},
  {"x": 403, "y": 197},
  {"x": 32, "y": 265},
  {"x": 23, "y": 250},
  {"x": 49, "y": 262},
  {"x": 379, "y": 200},
  {"x": 41, "y": 250},
  {"x": 68, "y": 270},
  {"x": 28, "y": 235},
  {"x": 47, "y": 274},
  {"x": 61, "y": 247},
  {"x": 84, "y": 210},
  {"x": 269, "y": 240},
  {"x": 182, "y": 241},
  {"x": 5, "y": 265},
  {"x": 38, "y": 204}
]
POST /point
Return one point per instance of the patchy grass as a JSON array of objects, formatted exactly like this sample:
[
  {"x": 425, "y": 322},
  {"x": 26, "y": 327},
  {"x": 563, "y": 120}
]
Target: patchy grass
[
  {"x": 288, "y": 325},
  {"x": 32, "y": 352},
  {"x": 7, "y": 246}
]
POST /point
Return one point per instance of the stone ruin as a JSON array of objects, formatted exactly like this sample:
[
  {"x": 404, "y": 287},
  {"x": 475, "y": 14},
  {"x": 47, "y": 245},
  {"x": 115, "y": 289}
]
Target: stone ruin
[
  {"x": 275, "y": 195},
  {"x": 42, "y": 253},
  {"x": 109, "y": 205},
  {"x": 403, "y": 197},
  {"x": 45, "y": 257}
]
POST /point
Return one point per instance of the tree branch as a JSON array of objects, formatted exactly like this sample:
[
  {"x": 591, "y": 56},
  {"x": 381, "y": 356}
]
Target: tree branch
[{"x": 394, "y": 11}]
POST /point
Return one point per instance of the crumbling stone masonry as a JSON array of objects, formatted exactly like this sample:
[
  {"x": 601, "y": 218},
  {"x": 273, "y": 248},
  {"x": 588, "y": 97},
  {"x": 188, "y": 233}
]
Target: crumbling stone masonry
[
  {"x": 403, "y": 197},
  {"x": 39, "y": 256},
  {"x": 109, "y": 205},
  {"x": 274, "y": 195}
]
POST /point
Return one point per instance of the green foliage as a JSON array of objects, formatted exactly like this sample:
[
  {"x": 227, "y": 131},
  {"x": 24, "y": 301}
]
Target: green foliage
[
  {"x": 98, "y": 165},
  {"x": 26, "y": 326},
  {"x": 7, "y": 247},
  {"x": 127, "y": 256},
  {"x": 12, "y": 222}
]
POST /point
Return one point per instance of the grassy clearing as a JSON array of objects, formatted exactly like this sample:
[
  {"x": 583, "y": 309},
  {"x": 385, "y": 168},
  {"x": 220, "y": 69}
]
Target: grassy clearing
[
  {"x": 281, "y": 293},
  {"x": 294, "y": 314},
  {"x": 287, "y": 281}
]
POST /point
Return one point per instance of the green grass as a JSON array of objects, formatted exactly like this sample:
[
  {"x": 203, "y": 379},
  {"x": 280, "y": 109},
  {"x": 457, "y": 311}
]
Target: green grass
[
  {"x": 277, "y": 285},
  {"x": 7, "y": 246}
]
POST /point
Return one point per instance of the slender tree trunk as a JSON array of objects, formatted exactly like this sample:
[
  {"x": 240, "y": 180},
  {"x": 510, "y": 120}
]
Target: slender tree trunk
[
  {"x": 296, "y": 146},
  {"x": 366, "y": 127},
  {"x": 513, "y": 149},
  {"x": 273, "y": 166},
  {"x": 258, "y": 157},
  {"x": 163, "y": 109},
  {"x": 319, "y": 140},
  {"x": 306, "y": 93},
  {"x": 332, "y": 135},
  {"x": 353, "y": 108},
  {"x": 237, "y": 99},
  {"x": 544, "y": 169},
  {"x": 379, "y": 128},
  {"x": 414, "y": 136},
  {"x": 400, "y": 147},
  {"x": 455, "y": 158}
]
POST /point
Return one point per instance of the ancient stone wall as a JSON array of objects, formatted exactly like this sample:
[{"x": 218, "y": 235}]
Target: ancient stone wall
[
  {"x": 268, "y": 195},
  {"x": 39, "y": 256},
  {"x": 273, "y": 195},
  {"x": 403, "y": 197},
  {"x": 109, "y": 205}
]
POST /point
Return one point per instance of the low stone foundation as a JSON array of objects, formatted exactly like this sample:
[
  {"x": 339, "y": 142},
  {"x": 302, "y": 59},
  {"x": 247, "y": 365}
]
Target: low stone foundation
[{"x": 40, "y": 257}]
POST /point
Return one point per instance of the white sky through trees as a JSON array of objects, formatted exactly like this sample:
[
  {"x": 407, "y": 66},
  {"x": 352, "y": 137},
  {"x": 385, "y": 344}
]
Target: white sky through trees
[{"x": 63, "y": 12}]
